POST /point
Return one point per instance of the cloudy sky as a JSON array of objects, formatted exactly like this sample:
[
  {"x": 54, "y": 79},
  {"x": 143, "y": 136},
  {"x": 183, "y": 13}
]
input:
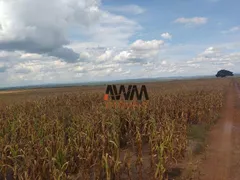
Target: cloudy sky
[{"x": 67, "y": 41}]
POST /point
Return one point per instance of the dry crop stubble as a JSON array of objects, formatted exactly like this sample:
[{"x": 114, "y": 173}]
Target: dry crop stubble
[{"x": 74, "y": 136}]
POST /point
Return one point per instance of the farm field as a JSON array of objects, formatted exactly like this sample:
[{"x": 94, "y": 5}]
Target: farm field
[{"x": 68, "y": 133}]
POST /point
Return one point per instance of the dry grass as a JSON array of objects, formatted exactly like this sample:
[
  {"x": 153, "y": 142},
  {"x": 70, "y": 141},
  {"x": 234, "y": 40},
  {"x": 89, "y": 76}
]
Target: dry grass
[{"x": 69, "y": 134}]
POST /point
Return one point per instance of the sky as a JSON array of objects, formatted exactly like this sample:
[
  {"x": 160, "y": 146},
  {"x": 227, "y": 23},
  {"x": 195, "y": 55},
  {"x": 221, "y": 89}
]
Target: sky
[{"x": 73, "y": 41}]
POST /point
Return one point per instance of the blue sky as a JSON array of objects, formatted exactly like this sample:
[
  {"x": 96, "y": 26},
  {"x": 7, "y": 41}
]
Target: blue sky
[
  {"x": 63, "y": 41},
  {"x": 160, "y": 15}
]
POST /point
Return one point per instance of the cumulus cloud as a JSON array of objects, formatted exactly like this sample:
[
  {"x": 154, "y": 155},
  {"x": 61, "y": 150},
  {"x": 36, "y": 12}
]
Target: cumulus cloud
[
  {"x": 140, "y": 59},
  {"x": 105, "y": 69},
  {"x": 192, "y": 21},
  {"x": 100, "y": 61},
  {"x": 46, "y": 26},
  {"x": 47, "y": 32},
  {"x": 166, "y": 35},
  {"x": 168, "y": 68},
  {"x": 32, "y": 69},
  {"x": 23, "y": 70},
  {"x": 106, "y": 56},
  {"x": 137, "y": 52},
  {"x": 215, "y": 58},
  {"x": 43, "y": 27},
  {"x": 36, "y": 45},
  {"x": 147, "y": 45},
  {"x": 140, "y": 51},
  {"x": 211, "y": 52}
]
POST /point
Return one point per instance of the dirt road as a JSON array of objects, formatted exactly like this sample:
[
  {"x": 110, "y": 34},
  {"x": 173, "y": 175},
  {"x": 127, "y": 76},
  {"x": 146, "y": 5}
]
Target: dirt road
[{"x": 223, "y": 152}]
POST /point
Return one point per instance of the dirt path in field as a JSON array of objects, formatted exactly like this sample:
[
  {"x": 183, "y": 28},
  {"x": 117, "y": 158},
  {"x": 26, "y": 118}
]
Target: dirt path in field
[
  {"x": 223, "y": 152},
  {"x": 14, "y": 91}
]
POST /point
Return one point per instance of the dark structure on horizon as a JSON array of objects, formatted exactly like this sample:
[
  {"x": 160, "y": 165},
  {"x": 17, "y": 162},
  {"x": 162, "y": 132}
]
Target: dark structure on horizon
[{"x": 224, "y": 73}]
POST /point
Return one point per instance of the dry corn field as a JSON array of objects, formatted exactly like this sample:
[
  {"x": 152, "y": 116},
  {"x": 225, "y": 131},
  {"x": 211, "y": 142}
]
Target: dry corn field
[{"x": 72, "y": 135}]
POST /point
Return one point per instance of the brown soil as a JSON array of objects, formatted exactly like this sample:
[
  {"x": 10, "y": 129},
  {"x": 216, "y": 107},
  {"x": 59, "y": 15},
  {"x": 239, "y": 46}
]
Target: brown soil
[{"x": 223, "y": 152}]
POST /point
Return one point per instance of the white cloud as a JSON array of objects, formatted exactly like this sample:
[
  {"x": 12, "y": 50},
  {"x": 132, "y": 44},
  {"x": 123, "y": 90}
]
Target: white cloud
[
  {"x": 79, "y": 69},
  {"x": 214, "y": 59},
  {"x": 113, "y": 30},
  {"x": 137, "y": 52},
  {"x": 167, "y": 68},
  {"x": 30, "y": 56},
  {"x": 46, "y": 26},
  {"x": 166, "y": 35},
  {"x": 43, "y": 28},
  {"x": 126, "y": 73},
  {"x": 140, "y": 51},
  {"x": 211, "y": 51},
  {"x": 147, "y": 45},
  {"x": 164, "y": 62},
  {"x": 106, "y": 56},
  {"x": 192, "y": 21},
  {"x": 140, "y": 59},
  {"x": 130, "y": 9},
  {"x": 232, "y": 30},
  {"x": 122, "y": 56},
  {"x": 31, "y": 68}
]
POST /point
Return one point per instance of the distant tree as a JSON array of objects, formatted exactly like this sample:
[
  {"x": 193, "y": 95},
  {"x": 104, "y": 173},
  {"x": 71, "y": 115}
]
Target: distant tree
[{"x": 224, "y": 73}]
